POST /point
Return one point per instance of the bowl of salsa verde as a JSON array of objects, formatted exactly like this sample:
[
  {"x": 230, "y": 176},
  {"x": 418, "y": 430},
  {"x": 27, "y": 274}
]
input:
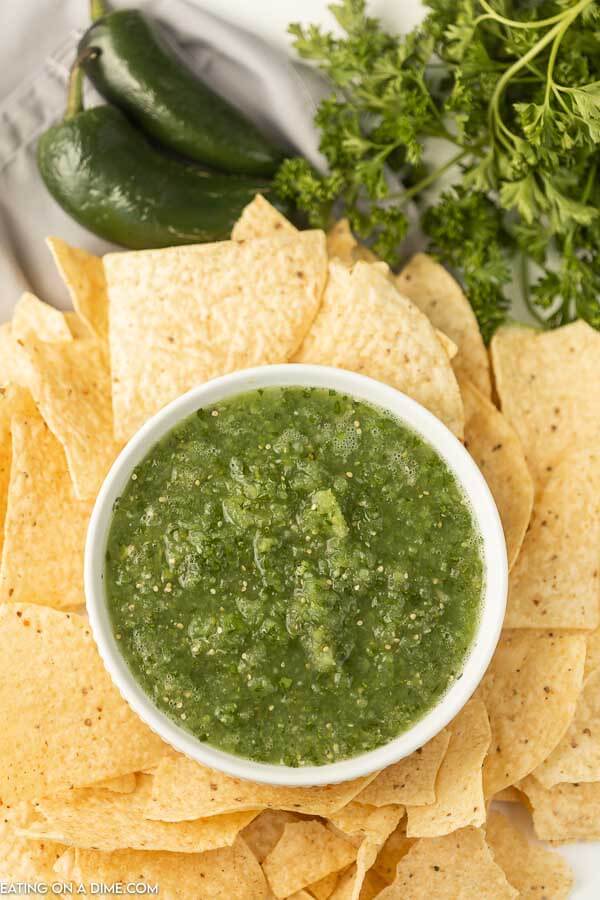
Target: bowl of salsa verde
[{"x": 295, "y": 574}]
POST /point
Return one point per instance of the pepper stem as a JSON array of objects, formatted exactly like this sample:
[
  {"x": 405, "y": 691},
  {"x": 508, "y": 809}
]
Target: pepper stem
[
  {"x": 98, "y": 8},
  {"x": 75, "y": 92}
]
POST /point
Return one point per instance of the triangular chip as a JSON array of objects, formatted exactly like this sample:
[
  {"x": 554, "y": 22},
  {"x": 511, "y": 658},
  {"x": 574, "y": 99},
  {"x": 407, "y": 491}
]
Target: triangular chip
[
  {"x": 566, "y": 812},
  {"x": 530, "y": 692},
  {"x": 230, "y": 873},
  {"x": 555, "y": 582},
  {"x": 24, "y": 860},
  {"x": 102, "y": 819},
  {"x": 459, "y": 797},
  {"x": 324, "y": 887},
  {"x": 342, "y": 244},
  {"x": 412, "y": 780},
  {"x": 264, "y": 831},
  {"x": 497, "y": 451},
  {"x": 70, "y": 383},
  {"x": 33, "y": 316},
  {"x": 548, "y": 388},
  {"x": 42, "y": 562},
  {"x": 83, "y": 275},
  {"x": 396, "y": 846},
  {"x": 439, "y": 296},
  {"x": 260, "y": 219},
  {"x": 63, "y": 721},
  {"x": 183, "y": 315},
  {"x": 459, "y": 866},
  {"x": 183, "y": 789},
  {"x": 306, "y": 852},
  {"x": 366, "y": 326},
  {"x": 577, "y": 756}
]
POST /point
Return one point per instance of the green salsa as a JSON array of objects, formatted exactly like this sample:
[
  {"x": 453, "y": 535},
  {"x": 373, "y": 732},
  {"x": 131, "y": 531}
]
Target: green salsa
[{"x": 294, "y": 575}]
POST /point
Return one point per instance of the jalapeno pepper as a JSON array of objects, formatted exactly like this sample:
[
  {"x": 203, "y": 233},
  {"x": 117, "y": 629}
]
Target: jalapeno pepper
[
  {"x": 109, "y": 178},
  {"x": 135, "y": 69}
]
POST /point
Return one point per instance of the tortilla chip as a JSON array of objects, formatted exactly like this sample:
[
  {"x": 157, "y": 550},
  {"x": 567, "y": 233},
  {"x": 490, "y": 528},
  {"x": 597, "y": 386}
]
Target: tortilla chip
[
  {"x": 554, "y": 583},
  {"x": 122, "y": 784},
  {"x": 396, "y": 846},
  {"x": 372, "y": 825},
  {"x": 439, "y": 296},
  {"x": 459, "y": 797},
  {"x": 101, "y": 819},
  {"x": 260, "y": 219},
  {"x": 497, "y": 451},
  {"x": 41, "y": 563},
  {"x": 183, "y": 789},
  {"x": 33, "y": 316},
  {"x": 509, "y": 795},
  {"x": 547, "y": 383},
  {"x": 342, "y": 244},
  {"x": 306, "y": 852},
  {"x": 459, "y": 866},
  {"x": 534, "y": 871},
  {"x": 14, "y": 364},
  {"x": 577, "y": 756},
  {"x": 5, "y": 456},
  {"x": 83, "y": 729},
  {"x": 366, "y": 326},
  {"x": 530, "y": 691},
  {"x": 324, "y": 887},
  {"x": 24, "y": 860},
  {"x": 410, "y": 781},
  {"x": 183, "y": 315},
  {"x": 592, "y": 657},
  {"x": 230, "y": 873},
  {"x": 264, "y": 831},
  {"x": 83, "y": 275},
  {"x": 566, "y": 812},
  {"x": 70, "y": 383},
  {"x": 372, "y": 885}
]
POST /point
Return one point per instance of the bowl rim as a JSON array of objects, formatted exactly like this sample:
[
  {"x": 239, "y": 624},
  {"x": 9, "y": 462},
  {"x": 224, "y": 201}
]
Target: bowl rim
[{"x": 461, "y": 464}]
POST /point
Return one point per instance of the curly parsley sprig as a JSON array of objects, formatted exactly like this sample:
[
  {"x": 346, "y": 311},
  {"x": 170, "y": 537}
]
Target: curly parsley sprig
[{"x": 513, "y": 89}]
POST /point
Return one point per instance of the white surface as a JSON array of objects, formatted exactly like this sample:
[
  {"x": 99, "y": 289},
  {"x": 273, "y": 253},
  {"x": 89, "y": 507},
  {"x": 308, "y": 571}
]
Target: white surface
[{"x": 425, "y": 424}]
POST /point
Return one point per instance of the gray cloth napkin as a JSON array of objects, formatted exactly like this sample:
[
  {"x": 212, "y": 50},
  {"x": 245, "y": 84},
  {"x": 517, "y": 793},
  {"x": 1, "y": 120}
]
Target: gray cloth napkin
[{"x": 261, "y": 79}]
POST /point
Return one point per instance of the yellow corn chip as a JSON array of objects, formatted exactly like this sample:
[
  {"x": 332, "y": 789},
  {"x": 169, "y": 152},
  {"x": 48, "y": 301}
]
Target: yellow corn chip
[
  {"x": 33, "y": 316},
  {"x": 497, "y": 451},
  {"x": 530, "y": 692},
  {"x": 410, "y": 781},
  {"x": 183, "y": 789},
  {"x": 554, "y": 583},
  {"x": 372, "y": 885},
  {"x": 70, "y": 383},
  {"x": 324, "y": 887},
  {"x": 342, "y": 244},
  {"x": 101, "y": 819},
  {"x": 396, "y": 846},
  {"x": 23, "y": 860},
  {"x": 5, "y": 456},
  {"x": 373, "y": 825},
  {"x": 459, "y": 797},
  {"x": 230, "y": 873},
  {"x": 122, "y": 784},
  {"x": 458, "y": 866},
  {"x": 439, "y": 296},
  {"x": 264, "y": 831},
  {"x": 306, "y": 852},
  {"x": 260, "y": 219},
  {"x": 534, "y": 871},
  {"x": 83, "y": 275},
  {"x": 42, "y": 562},
  {"x": 566, "y": 812},
  {"x": 181, "y": 316},
  {"x": 547, "y": 384},
  {"x": 63, "y": 722},
  {"x": 366, "y": 326},
  {"x": 577, "y": 756}
]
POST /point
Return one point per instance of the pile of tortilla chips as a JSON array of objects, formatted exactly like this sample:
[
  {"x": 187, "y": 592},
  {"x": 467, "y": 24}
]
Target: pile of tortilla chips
[{"x": 88, "y": 793}]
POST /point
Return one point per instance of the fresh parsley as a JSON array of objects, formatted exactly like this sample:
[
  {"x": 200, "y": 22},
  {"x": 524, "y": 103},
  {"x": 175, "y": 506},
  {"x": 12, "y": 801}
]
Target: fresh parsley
[{"x": 512, "y": 88}]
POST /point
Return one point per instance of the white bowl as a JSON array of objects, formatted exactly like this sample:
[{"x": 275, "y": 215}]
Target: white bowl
[{"x": 458, "y": 460}]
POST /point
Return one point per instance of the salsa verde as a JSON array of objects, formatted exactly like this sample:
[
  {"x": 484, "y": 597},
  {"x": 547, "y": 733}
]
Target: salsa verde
[{"x": 294, "y": 575}]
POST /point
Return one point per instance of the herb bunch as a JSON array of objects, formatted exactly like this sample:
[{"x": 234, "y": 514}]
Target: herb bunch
[{"x": 513, "y": 91}]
